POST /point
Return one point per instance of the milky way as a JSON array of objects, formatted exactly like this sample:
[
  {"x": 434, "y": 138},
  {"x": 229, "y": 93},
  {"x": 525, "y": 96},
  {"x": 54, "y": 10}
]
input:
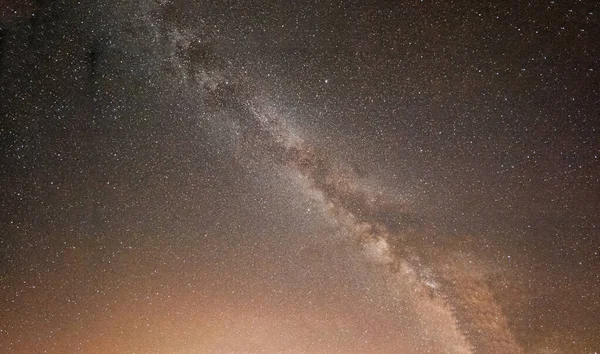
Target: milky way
[
  {"x": 374, "y": 222},
  {"x": 352, "y": 177}
]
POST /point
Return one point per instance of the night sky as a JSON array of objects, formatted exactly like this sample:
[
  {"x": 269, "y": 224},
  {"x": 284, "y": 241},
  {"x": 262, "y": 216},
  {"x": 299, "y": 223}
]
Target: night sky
[{"x": 376, "y": 176}]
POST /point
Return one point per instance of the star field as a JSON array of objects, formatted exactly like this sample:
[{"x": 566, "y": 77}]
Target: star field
[{"x": 308, "y": 177}]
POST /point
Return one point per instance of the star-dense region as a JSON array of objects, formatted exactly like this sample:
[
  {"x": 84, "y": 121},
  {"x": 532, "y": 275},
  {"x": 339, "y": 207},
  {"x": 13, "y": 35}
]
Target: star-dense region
[{"x": 371, "y": 176}]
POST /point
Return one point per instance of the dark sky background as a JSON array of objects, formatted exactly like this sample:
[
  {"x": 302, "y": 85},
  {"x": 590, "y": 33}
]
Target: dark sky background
[{"x": 183, "y": 176}]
